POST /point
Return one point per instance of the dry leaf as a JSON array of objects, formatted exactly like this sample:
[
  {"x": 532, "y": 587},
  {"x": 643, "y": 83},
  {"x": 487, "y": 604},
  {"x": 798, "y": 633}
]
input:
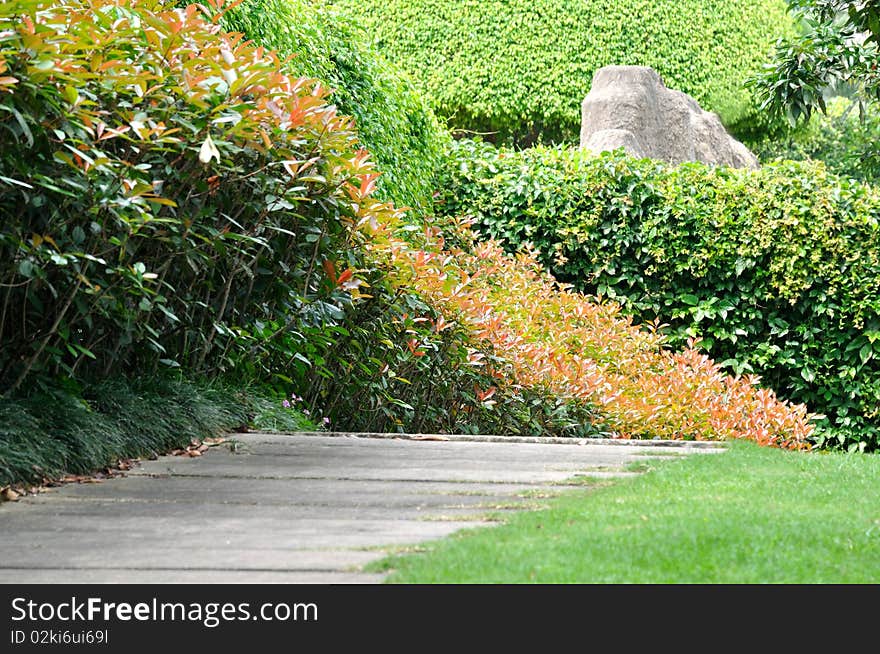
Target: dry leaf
[{"x": 9, "y": 495}]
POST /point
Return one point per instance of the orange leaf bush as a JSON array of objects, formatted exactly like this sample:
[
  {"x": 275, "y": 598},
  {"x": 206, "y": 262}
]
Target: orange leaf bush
[{"x": 559, "y": 339}]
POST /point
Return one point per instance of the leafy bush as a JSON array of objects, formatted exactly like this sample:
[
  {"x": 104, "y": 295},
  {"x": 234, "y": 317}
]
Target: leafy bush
[
  {"x": 395, "y": 364},
  {"x": 170, "y": 198},
  {"x": 777, "y": 270},
  {"x": 168, "y": 195},
  {"x": 556, "y": 340},
  {"x": 393, "y": 121},
  {"x": 844, "y": 141},
  {"x": 522, "y": 67}
]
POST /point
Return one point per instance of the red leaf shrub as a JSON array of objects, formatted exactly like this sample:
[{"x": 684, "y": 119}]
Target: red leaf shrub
[{"x": 556, "y": 338}]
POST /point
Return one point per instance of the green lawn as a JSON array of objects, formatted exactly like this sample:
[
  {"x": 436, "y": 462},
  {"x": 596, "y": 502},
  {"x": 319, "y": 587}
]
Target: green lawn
[{"x": 749, "y": 515}]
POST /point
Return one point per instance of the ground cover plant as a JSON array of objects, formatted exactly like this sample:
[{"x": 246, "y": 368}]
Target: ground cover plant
[
  {"x": 748, "y": 515},
  {"x": 55, "y": 430},
  {"x": 776, "y": 271},
  {"x": 520, "y": 69}
]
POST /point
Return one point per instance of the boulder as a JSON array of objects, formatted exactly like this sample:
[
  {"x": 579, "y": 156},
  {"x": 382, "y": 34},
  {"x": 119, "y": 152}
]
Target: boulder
[{"x": 630, "y": 107}]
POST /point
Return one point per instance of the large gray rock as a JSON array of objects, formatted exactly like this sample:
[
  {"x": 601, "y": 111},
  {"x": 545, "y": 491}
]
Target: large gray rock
[{"x": 629, "y": 107}]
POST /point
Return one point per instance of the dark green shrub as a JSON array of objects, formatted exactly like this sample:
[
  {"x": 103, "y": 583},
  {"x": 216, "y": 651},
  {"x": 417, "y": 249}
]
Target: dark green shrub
[
  {"x": 778, "y": 271},
  {"x": 386, "y": 368},
  {"x": 522, "y": 67},
  {"x": 393, "y": 121}
]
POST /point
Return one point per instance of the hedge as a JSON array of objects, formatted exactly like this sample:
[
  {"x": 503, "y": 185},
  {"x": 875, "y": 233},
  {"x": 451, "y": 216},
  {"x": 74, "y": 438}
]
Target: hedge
[
  {"x": 777, "y": 270},
  {"x": 393, "y": 121},
  {"x": 171, "y": 199},
  {"x": 520, "y": 68}
]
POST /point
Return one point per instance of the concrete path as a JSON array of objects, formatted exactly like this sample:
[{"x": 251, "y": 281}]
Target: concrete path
[{"x": 290, "y": 508}]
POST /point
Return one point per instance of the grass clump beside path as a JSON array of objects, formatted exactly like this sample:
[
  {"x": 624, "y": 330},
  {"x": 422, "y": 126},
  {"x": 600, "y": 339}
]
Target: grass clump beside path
[
  {"x": 749, "y": 515},
  {"x": 49, "y": 431}
]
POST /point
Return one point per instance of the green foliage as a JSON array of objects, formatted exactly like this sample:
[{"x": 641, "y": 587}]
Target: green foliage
[
  {"x": 837, "y": 47},
  {"x": 394, "y": 366},
  {"x": 170, "y": 199},
  {"x": 55, "y": 429},
  {"x": 145, "y": 221},
  {"x": 522, "y": 67},
  {"x": 777, "y": 270},
  {"x": 845, "y": 141},
  {"x": 393, "y": 121}
]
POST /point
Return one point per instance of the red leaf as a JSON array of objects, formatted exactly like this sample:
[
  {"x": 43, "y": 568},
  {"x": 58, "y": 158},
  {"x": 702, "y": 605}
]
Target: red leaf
[{"x": 330, "y": 269}]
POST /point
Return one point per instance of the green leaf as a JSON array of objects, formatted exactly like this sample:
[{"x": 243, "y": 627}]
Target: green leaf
[
  {"x": 25, "y": 130},
  {"x": 70, "y": 94}
]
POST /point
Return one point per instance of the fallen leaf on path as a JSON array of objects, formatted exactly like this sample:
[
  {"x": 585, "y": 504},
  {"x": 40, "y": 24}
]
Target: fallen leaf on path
[
  {"x": 9, "y": 495},
  {"x": 428, "y": 437}
]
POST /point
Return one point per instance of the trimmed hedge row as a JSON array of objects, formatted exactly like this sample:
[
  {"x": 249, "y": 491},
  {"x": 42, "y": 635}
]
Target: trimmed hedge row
[
  {"x": 522, "y": 67},
  {"x": 778, "y": 271},
  {"x": 393, "y": 121}
]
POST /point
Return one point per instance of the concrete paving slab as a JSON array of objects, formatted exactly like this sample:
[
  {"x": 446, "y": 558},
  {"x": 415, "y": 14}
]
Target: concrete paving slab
[
  {"x": 406, "y": 507},
  {"x": 140, "y": 554},
  {"x": 177, "y": 576},
  {"x": 307, "y": 508},
  {"x": 302, "y": 533}
]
